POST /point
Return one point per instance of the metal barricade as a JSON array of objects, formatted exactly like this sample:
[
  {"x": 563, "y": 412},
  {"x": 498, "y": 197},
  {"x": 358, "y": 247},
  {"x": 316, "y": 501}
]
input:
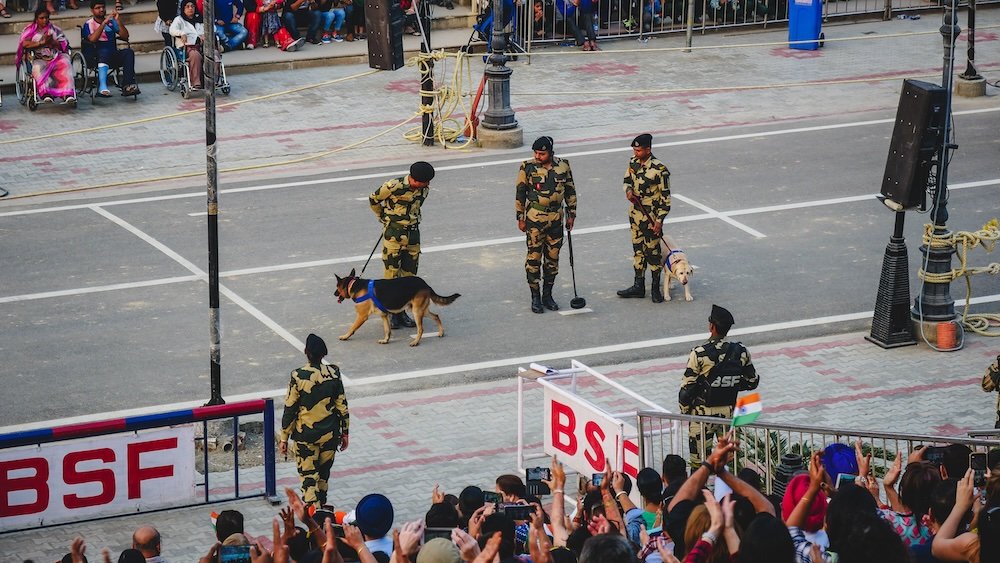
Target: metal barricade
[
  {"x": 762, "y": 445},
  {"x": 147, "y": 463}
]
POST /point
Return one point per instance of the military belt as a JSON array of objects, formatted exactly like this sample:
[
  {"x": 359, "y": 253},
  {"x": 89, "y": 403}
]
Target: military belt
[{"x": 540, "y": 207}]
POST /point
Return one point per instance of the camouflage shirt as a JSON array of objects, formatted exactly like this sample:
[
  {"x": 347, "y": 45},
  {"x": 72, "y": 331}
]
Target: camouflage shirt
[
  {"x": 396, "y": 203},
  {"x": 702, "y": 388},
  {"x": 650, "y": 181},
  {"x": 316, "y": 407},
  {"x": 991, "y": 381},
  {"x": 545, "y": 187}
]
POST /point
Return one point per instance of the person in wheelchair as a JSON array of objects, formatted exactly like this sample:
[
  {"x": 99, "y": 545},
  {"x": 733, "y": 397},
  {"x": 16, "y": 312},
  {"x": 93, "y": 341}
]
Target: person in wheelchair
[
  {"x": 103, "y": 33},
  {"x": 51, "y": 68},
  {"x": 188, "y": 32}
]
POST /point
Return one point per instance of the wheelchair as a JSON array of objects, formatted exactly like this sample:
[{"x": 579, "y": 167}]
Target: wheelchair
[
  {"x": 174, "y": 72},
  {"x": 91, "y": 81},
  {"x": 24, "y": 83}
]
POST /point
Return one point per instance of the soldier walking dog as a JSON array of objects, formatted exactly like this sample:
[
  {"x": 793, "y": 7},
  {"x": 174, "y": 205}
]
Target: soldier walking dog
[
  {"x": 647, "y": 188},
  {"x": 317, "y": 419},
  {"x": 716, "y": 372},
  {"x": 397, "y": 204},
  {"x": 544, "y": 185}
]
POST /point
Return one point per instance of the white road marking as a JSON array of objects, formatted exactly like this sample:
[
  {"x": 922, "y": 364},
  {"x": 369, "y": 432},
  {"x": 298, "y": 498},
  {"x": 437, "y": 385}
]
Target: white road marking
[
  {"x": 97, "y": 289},
  {"x": 465, "y": 166},
  {"x": 522, "y": 360},
  {"x": 483, "y": 243},
  {"x": 239, "y": 301},
  {"x": 197, "y": 213},
  {"x": 719, "y": 215},
  {"x": 575, "y": 311}
]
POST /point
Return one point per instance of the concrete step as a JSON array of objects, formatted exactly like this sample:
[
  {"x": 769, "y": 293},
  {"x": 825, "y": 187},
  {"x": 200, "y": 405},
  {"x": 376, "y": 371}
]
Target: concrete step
[
  {"x": 67, "y": 20},
  {"x": 271, "y": 59},
  {"x": 144, "y": 40}
]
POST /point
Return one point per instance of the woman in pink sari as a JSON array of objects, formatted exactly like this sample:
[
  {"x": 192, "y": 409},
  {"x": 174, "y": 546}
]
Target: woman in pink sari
[{"x": 51, "y": 67}]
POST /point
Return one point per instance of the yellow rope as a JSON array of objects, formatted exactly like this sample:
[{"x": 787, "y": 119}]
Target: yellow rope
[
  {"x": 447, "y": 99},
  {"x": 985, "y": 324}
]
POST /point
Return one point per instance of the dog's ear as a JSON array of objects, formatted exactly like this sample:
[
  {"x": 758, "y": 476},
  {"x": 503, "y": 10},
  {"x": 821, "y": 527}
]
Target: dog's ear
[
  {"x": 338, "y": 277},
  {"x": 351, "y": 275}
]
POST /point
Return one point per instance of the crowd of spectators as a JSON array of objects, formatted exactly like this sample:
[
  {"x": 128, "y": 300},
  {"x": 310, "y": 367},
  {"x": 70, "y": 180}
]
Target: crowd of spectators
[{"x": 941, "y": 511}]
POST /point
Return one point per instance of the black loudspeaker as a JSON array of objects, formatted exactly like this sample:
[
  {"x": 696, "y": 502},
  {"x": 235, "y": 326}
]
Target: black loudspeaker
[
  {"x": 915, "y": 140},
  {"x": 384, "y": 25}
]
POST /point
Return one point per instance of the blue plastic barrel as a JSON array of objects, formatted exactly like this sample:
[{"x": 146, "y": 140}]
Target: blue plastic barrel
[{"x": 805, "y": 20}]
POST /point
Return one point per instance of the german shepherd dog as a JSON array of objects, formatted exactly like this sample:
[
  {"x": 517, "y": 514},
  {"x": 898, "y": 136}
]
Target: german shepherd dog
[{"x": 394, "y": 296}]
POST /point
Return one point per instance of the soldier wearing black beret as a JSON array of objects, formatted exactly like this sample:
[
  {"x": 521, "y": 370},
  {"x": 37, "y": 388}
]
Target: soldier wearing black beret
[
  {"x": 544, "y": 187},
  {"x": 397, "y": 205},
  {"x": 647, "y": 188}
]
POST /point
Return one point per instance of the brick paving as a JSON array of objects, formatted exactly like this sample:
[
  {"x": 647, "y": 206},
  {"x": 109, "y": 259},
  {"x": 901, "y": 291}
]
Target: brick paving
[{"x": 403, "y": 444}]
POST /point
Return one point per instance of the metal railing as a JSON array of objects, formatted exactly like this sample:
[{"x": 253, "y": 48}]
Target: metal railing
[
  {"x": 256, "y": 411},
  {"x": 762, "y": 444}
]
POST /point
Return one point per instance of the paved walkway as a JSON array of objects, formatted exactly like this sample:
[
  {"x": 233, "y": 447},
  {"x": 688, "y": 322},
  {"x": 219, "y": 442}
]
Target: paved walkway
[
  {"x": 574, "y": 96},
  {"x": 404, "y": 444}
]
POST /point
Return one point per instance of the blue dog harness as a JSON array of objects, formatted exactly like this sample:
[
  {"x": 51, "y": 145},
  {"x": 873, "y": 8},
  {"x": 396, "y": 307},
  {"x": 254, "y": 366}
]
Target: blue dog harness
[
  {"x": 670, "y": 267},
  {"x": 370, "y": 295}
]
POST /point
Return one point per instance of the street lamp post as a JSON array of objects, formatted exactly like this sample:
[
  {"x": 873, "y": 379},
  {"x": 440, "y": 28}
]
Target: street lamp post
[
  {"x": 935, "y": 304},
  {"x": 212, "y": 182},
  {"x": 499, "y": 127}
]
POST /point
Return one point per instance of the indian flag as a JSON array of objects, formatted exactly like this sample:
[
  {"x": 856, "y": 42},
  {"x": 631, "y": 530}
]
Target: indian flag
[{"x": 748, "y": 408}]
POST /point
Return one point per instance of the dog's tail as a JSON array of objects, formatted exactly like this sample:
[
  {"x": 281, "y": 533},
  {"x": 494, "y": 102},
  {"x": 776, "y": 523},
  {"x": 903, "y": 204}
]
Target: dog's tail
[{"x": 437, "y": 299}]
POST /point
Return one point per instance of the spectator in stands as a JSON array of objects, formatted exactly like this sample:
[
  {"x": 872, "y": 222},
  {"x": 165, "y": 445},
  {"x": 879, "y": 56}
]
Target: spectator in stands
[
  {"x": 356, "y": 21},
  {"x": 578, "y": 15},
  {"x": 991, "y": 383},
  {"x": 952, "y": 543},
  {"x": 3, "y": 10},
  {"x": 815, "y": 516},
  {"x": 53, "y": 7},
  {"x": 907, "y": 509},
  {"x": 295, "y": 14},
  {"x": 51, "y": 67},
  {"x": 649, "y": 484},
  {"x": 104, "y": 33},
  {"x": 539, "y": 21},
  {"x": 228, "y": 522},
  {"x": 410, "y": 24},
  {"x": 166, "y": 11},
  {"x": 147, "y": 540},
  {"x": 675, "y": 472},
  {"x": 607, "y": 548},
  {"x": 373, "y": 516},
  {"x": 252, "y": 21},
  {"x": 329, "y": 14},
  {"x": 469, "y": 501},
  {"x": 189, "y": 33},
  {"x": 318, "y": 10},
  {"x": 228, "y": 28},
  {"x": 270, "y": 25}
]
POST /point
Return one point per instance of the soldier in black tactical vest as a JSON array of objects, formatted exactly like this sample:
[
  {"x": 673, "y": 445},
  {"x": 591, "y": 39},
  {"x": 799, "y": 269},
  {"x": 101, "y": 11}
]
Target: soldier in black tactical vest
[
  {"x": 716, "y": 372},
  {"x": 316, "y": 419},
  {"x": 991, "y": 383}
]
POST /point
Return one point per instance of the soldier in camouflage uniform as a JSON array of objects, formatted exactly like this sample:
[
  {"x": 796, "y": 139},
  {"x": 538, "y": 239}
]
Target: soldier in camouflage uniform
[
  {"x": 716, "y": 372},
  {"x": 647, "y": 188},
  {"x": 543, "y": 185},
  {"x": 316, "y": 418},
  {"x": 397, "y": 205},
  {"x": 991, "y": 382}
]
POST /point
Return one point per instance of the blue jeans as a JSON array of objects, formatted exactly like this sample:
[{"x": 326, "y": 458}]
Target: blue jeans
[
  {"x": 333, "y": 18},
  {"x": 114, "y": 58},
  {"x": 232, "y": 34}
]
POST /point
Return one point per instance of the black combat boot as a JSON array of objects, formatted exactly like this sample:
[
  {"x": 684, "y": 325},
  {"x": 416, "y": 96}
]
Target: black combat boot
[
  {"x": 638, "y": 288},
  {"x": 654, "y": 289},
  {"x": 394, "y": 322},
  {"x": 547, "y": 300},
  {"x": 536, "y": 301},
  {"x": 406, "y": 321}
]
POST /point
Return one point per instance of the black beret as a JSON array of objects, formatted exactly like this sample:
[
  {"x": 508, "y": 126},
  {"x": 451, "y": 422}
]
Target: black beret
[
  {"x": 315, "y": 346},
  {"x": 542, "y": 144},
  {"x": 422, "y": 171},
  {"x": 645, "y": 141},
  {"x": 721, "y": 318}
]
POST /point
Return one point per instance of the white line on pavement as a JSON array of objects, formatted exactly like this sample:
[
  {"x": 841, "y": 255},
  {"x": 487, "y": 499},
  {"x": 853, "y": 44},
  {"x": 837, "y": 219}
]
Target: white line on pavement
[
  {"x": 197, "y": 213},
  {"x": 719, "y": 215},
  {"x": 576, "y": 311},
  {"x": 97, "y": 289},
  {"x": 469, "y": 165},
  {"x": 239, "y": 301},
  {"x": 522, "y": 360}
]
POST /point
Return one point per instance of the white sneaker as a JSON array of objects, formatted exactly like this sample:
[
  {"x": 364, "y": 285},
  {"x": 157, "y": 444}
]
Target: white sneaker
[{"x": 250, "y": 46}]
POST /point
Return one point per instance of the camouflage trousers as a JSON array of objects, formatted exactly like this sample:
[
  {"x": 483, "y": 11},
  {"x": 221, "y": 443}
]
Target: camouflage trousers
[
  {"x": 701, "y": 436},
  {"x": 645, "y": 243},
  {"x": 314, "y": 462},
  {"x": 400, "y": 251},
  {"x": 544, "y": 238}
]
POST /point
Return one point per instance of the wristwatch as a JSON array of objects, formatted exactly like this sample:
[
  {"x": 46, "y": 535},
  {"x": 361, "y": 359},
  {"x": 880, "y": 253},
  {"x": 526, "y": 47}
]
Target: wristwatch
[{"x": 708, "y": 466}]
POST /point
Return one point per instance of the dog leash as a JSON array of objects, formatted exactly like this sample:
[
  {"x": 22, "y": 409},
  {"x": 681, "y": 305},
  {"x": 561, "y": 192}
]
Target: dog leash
[
  {"x": 670, "y": 252},
  {"x": 374, "y": 248}
]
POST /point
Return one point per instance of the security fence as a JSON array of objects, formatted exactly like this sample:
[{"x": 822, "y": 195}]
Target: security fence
[
  {"x": 768, "y": 448},
  {"x": 540, "y": 22}
]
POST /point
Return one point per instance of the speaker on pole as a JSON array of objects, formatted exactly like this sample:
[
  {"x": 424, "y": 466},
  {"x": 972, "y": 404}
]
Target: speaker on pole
[
  {"x": 384, "y": 25},
  {"x": 916, "y": 139}
]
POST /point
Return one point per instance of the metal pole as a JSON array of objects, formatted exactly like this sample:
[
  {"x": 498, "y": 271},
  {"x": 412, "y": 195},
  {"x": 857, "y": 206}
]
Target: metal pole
[
  {"x": 689, "y": 33},
  {"x": 212, "y": 172},
  {"x": 970, "y": 53},
  {"x": 935, "y": 303},
  {"x": 499, "y": 116},
  {"x": 426, "y": 72}
]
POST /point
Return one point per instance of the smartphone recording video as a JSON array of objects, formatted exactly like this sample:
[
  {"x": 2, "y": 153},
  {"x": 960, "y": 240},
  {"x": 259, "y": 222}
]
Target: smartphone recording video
[
  {"x": 596, "y": 479},
  {"x": 517, "y": 512},
  {"x": 845, "y": 479},
  {"x": 491, "y": 497},
  {"x": 977, "y": 462},
  {"x": 234, "y": 554},
  {"x": 538, "y": 474},
  {"x": 434, "y": 533}
]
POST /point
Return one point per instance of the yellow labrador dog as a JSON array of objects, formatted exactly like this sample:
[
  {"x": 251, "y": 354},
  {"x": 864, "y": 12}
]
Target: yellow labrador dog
[{"x": 675, "y": 267}]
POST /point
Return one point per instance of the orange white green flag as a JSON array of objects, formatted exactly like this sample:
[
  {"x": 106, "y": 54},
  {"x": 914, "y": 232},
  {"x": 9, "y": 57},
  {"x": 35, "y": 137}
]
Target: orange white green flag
[{"x": 748, "y": 408}]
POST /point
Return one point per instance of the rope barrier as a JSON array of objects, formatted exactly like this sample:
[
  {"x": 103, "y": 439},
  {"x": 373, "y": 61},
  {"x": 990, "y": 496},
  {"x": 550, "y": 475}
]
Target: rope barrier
[
  {"x": 447, "y": 99},
  {"x": 985, "y": 324}
]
